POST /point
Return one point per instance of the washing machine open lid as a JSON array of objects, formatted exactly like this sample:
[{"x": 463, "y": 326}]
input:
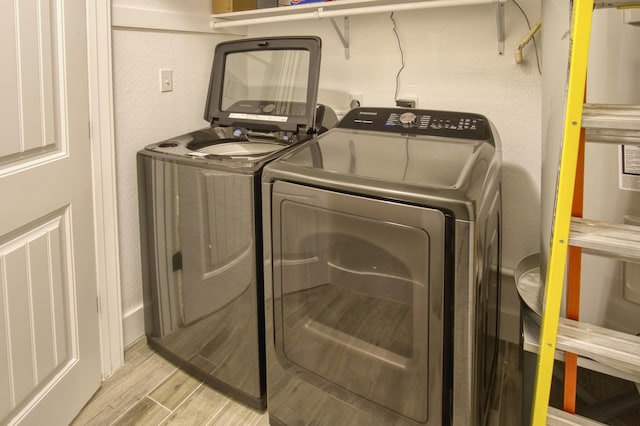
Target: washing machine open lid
[{"x": 268, "y": 84}]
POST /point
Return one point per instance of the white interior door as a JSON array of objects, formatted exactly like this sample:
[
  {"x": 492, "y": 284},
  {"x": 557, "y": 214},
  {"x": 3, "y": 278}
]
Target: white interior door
[{"x": 49, "y": 343}]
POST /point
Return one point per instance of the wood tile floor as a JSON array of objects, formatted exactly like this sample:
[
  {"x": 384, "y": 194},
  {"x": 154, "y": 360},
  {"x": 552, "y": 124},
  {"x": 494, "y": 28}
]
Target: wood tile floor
[{"x": 149, "y": 390}]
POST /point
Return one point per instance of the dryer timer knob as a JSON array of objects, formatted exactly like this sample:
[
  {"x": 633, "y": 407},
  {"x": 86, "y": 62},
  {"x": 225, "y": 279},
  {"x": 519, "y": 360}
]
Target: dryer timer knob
[{"x": 407, "y": 119}]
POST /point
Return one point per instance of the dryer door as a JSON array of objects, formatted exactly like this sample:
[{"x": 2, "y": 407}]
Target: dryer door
[{"x": 358, "y": 288}]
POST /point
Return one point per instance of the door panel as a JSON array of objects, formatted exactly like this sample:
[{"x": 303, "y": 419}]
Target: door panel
[
  {"x": 37, "y": 318},
  {"x": 9, "y": 115},
  {"x": 49, "y": 347},
  {"x": 28, "y": 80}
]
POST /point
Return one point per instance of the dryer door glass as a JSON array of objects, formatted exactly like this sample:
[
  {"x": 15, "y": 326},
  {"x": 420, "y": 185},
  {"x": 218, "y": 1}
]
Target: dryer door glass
[{"x": 358, "y": 289}]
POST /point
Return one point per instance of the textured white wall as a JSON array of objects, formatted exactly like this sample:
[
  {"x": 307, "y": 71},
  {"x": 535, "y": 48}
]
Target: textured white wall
[
  {"x": 451, "y": 63},
  {"x": 144, "y": 115},
  {"x": 182, "y": 6}
]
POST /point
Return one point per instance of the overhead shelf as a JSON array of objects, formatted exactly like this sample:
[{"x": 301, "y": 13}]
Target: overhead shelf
[
  {"x": 344, "y": 9},
  {"x": 333, "y": 9}
]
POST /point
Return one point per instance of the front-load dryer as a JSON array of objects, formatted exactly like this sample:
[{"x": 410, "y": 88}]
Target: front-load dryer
[
  {"x": 382, "y": 271},
  {"x": 201, "y": 227}
]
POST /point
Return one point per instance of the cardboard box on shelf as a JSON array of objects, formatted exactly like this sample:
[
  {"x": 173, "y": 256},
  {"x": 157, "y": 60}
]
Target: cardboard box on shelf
[
  {"x": 297, "y": 2},
  {"x": 224, "y": 6},
  {"x": 263, "y": 4}
]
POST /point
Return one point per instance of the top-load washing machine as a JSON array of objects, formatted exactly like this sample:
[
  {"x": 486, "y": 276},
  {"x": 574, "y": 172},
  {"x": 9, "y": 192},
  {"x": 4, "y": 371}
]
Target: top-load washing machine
[
  {"x": 382, "y": 271},
  {"x": 201, "y": 226}
]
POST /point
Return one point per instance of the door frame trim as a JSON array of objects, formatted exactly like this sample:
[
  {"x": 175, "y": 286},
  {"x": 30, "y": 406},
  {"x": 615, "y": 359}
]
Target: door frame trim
[{"x": 109, "y": 303}]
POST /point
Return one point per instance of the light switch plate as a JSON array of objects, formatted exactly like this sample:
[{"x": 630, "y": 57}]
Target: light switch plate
[{"x": 166, "y": 80}]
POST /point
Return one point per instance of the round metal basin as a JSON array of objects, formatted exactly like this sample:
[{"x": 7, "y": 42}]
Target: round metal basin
[{"x": 242, "y": 149}]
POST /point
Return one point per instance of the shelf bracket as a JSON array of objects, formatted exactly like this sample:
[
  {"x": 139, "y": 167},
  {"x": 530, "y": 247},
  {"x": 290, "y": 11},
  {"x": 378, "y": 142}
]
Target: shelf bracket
[
  {"x": 343, "y": 34},
  {"x": 500, "y": 26}
]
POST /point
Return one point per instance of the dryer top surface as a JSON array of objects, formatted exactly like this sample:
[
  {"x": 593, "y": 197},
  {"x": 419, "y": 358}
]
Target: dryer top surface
[{"x": 402, "y": 163}]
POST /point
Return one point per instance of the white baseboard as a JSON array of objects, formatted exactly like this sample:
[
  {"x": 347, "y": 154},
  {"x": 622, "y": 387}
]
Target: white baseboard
[
  {"x": 133, "y": 321},
  {"x": 509, "y": 309},
  {"x": 510, "y": 325},
  {"x": 133, "y": 325}
]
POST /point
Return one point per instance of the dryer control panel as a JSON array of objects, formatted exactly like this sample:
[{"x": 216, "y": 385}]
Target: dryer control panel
[{"x": 419, "y": 122}]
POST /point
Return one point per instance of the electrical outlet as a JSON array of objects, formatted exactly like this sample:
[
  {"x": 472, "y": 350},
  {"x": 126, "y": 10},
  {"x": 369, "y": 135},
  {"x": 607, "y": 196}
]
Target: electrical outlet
[
  {"x": 166, "y": 80},
  {"x": 409, "y": 99},
  {"x": 355, "y": 99}
]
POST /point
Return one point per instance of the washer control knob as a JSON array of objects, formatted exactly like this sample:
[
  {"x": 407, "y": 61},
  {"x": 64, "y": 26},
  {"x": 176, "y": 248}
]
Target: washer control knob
[{"x": 407, "y": 119}]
